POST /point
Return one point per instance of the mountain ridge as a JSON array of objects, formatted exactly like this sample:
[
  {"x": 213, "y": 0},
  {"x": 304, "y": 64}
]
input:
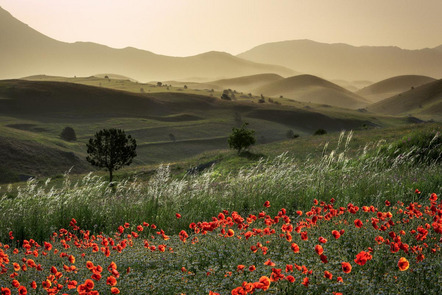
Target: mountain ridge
[{"x": 27, "y": 52}]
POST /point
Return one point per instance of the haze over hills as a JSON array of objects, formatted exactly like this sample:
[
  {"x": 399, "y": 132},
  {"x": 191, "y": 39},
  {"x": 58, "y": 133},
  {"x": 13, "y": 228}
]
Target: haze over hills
[
  {"x": 308, "y": 88},
  {"x": 27, "y": 52},
  {"x": 422, "y": 101},
  {"x": 342, "y": 61},
  {"x": 392, "y": 86}
]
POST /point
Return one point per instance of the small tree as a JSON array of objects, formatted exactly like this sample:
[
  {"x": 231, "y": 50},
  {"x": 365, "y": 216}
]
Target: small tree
[
  {"x": 111, "y": 149},
  {"x": 241, "y": 138},
  {"x": 68, "y": 134}
]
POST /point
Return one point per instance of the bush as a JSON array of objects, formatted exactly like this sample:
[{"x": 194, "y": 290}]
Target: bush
[
  {"x": 320, "y": 131},
  {"x": 68, "y": 134}
]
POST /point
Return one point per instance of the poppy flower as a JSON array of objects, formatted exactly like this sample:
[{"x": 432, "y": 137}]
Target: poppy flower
[
  {"x": 336, "y": 234},
  {"x": 115, "y": 290},
  {"x": 346, "y": 267},
  {"x": 230, "y": 232},
  {"x": 362, "y": 257},
  {"x": 295, "y": 248},
  {"x": 252, "y": 268},
  {"x": 358, "y": 223},
  {"x": 269, "y": 263},
  {"x": 34, "y": 285},
  {"x": 291, "y": 279},
  {"x": 328, "y": 275},
  {"x": 403, "y": 264},
  {"x": 319, "y": 250},
  {"x": 265, "y": 281},
  {"x": 5, "y": 291},
  {"x": 15, "y": 283},
  {"x": 339, "y": 280},
  {"x": 267, "y": 204},
  {"x": 22, "y": 290},
  {"x": 178, "y": 215},
  {"x": 305, "y": 281}
]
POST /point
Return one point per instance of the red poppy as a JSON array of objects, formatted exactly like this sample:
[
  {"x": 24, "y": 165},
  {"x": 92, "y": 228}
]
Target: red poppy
[
  {"x": 346, "y": 267},
  {"x": 336, "y": 234},
  {"x": 358, "y": 223},
  {"x": 178, "y": 215},
  {"x": 115, "y": 290},
  {"x": 305, "y": 281},
  {"x": 328, "y": 275},
  {"x": 291, "y": 279},
  {"x": 265, "y": 281},
  {"x": 362, "y": 257},
  {"x": 295, "y": 248},
  {"x": 319, "y": 250},
  {"x": 403, "y": 264},
  {"x": 267, "y": 204}
]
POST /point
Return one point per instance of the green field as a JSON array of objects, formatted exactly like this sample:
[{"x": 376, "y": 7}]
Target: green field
[
  {"x": 359, "y": 170},
  {"x": 168, "y": 126}
]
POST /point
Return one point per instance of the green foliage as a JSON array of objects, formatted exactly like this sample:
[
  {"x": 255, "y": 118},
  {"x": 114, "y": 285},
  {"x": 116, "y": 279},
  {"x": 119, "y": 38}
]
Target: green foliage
[
  {"x": 320, "y": 131},
  {"x": 241, "y": 138},
  {"x": 419, "y": 146},
  {"x": 68, "y": 134},
  {"x": 111, "y": 149}
]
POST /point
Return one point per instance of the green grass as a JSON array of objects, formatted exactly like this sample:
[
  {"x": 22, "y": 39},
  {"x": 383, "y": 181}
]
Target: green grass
[
  {"x": 350, "y": 168},
  {"x": 199, "y": 123}
]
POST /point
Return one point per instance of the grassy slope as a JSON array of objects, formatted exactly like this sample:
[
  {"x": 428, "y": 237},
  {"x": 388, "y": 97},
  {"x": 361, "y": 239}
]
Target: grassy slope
[
  {"x": 308, "y": 88},
  {"x": 37, "y": 111},
  {"x": 424, "y": 101},
  {"x": 392, "y": 86}
]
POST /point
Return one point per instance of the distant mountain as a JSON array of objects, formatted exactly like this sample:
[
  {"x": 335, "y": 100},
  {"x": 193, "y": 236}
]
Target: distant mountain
[
  {"x": 342, "y": 61},
  {"x": 392, "y": 86},
  {"x": 423, "y": 100},
  {"x": 308, "y": 88},
  {"x": 25, "y": 52}
]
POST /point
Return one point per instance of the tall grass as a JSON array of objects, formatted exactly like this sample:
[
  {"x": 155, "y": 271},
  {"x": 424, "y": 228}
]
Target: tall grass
[{"x": 371, "y": 176}]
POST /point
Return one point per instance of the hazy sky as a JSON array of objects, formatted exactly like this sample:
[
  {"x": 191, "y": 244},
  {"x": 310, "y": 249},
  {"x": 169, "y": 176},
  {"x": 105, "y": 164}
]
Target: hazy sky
[{"x": 189, "y": 27}]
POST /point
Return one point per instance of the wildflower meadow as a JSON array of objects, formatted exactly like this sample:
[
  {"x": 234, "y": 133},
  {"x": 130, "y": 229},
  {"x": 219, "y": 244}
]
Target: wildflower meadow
[{"x": 368, "y": 223}]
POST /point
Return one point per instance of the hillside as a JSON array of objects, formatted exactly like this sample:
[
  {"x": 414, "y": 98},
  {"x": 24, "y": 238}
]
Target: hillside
[
  {"x": 168, "y": 126},
  {"x": 342, "y": 61},
  {"x": 308, "y": 88},
  {"x": 424, "y": 101},
  {"x": 27, "y": 52},
  {"x": 392, "y": 86}
]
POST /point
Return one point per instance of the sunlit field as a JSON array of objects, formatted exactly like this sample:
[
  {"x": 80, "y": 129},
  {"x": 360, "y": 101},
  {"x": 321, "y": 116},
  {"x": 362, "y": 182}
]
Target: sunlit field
[{"x": 368, "y": 223}]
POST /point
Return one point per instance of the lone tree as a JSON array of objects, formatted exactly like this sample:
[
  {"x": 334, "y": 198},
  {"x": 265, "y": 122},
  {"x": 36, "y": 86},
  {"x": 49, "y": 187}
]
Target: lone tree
[
  {"x": 111, "y": 149},
  {"x": 68, "y": 134},
  {"x": 241, "y": 138}
]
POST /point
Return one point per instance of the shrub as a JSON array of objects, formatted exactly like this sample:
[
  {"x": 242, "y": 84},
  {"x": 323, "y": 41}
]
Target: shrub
[
  {"x": 68, "y": 134},
  {"x": 320, "y": 131}
]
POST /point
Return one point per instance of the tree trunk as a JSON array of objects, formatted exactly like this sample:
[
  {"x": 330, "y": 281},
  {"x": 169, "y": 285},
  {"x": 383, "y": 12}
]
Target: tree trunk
[{"x": 110, "y": 175}]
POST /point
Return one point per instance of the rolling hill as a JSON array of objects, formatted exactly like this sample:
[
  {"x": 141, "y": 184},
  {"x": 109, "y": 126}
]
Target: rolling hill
[
  {"x": 392, "y": 86},
  {"x": 168, "y": 126},
  {"x": 27, "y": 52},
  {"x": 308, "y": 88},
  {"x": 342, "y": 61},
  {"x": 424, "y": 102}
]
